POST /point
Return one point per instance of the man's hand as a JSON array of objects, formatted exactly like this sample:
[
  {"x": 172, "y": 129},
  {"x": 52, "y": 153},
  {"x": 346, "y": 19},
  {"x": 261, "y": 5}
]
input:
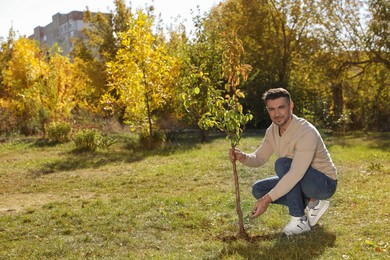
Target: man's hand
[
  {"x": 236, "y": 154},
  {"x": 261, "y": 206}
]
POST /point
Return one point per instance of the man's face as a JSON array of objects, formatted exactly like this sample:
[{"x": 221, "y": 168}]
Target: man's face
[{"x": 280, "y": 110}]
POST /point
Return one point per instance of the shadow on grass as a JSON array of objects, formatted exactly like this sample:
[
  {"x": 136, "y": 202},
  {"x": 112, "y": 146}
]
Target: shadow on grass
[
  {"x": 308, "y": 246},
  {"x": 127, "y": 152},
  {"x": 373, "y": 140},
  {"x": 379, "y": 141}
]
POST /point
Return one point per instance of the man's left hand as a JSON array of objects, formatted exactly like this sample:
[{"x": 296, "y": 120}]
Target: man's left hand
[{"x": 261, "y": 206}]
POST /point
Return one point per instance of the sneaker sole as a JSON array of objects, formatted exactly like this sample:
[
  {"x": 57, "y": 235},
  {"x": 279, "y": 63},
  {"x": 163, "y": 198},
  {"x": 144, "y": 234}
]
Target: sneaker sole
[
  {"x": 320, "y": 213},
  {"x": 282, "y": 234}
]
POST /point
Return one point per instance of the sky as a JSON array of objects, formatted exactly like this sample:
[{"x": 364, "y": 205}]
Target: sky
[{"x": 25, "y": 15}]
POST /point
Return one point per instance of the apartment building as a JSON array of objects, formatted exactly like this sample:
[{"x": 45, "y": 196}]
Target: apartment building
[{"x": 62, "y": 28}]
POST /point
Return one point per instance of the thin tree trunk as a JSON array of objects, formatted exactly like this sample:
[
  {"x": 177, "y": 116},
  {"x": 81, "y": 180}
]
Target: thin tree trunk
[
  {"x": 149, "y": 116},
  {"x": 148, "y": 111},
  {"x": 242, "y": 233}
]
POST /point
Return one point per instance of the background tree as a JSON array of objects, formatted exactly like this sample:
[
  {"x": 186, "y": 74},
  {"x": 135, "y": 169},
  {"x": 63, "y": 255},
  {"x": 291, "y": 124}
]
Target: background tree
[
  {"x": 376, "y": 38},
  {"x": 273, "y": 34},
  {"x": 201, "y": 73},
  {"x": 7, "y": 115},
  {"x": 41, "y": 85},
  {"x": 64, "y": 85},
  {"x": 24, "y": 81},
  {"x": 350, "y": 50},
  {"x": 5, "y": 56},
  {"x": 142, "y": 75},
  {"x": 100, "y": 47},
  {"x": 253, "y": 24},
  {"x": 322, "y": 49}
]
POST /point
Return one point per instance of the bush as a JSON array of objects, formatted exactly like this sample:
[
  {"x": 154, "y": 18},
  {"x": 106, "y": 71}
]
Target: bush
[
  {"x": 59, "y": 132},
  {"x": 87, "y": 140},
  {"x": 105, "y": 142},
  {"x": 155, "y": 141},
  {"x": 91, "y": 139}
]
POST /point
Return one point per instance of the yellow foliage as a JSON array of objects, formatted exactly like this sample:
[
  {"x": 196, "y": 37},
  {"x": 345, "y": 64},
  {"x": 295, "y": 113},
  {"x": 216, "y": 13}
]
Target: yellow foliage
[
  {"x": 41, "y": 86},
  {"x": 143, "y": 75}
]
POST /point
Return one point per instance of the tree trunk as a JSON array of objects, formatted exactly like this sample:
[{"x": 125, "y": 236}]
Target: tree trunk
[
  {"x": 148, "y": 111},
  {"x": 242, "y": 233},
  {"x": 338, "y": 103},
  {"x": 337, "y": 95},
  {"x": 149, "y": 116}
]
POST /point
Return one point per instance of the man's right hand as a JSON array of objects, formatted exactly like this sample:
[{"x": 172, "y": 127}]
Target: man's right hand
[{"x": 236, "y": 154}]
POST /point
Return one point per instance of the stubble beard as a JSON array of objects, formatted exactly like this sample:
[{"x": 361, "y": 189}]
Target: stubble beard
[{"x": 283, "y": 122}]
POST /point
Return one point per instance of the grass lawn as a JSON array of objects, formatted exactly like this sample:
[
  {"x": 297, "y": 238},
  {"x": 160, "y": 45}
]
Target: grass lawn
[{"x": 179, "y": 203}]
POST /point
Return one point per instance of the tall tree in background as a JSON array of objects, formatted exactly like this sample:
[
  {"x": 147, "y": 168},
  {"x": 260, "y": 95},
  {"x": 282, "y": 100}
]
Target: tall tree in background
[
  {"x": 377, "y": 37},
  {"x": 290, "y": 20},
  {"x": 101, "y": 45},
  {"x": 7, "y": 115},
  {"x": 316, "y": 48},
  {"x": 23, "y": 80},
  {"x": 272, "y": 33},
  {"x": 63, "y": 85},
  {"x": 5, "y": 56},
  {"x": 378, "y": 43},
  {"x": 351, "y": 34},
  {"x": 142, "y": 75}
]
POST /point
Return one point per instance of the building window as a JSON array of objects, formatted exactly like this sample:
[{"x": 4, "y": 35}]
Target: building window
[
  {"x": 71, "y": 34},
  {"x": 44, "y": 38}
]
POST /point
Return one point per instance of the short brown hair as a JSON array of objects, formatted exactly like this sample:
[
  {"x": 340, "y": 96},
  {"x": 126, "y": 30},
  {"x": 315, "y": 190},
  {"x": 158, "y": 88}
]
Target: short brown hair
[{"x": 275, "y": 93}]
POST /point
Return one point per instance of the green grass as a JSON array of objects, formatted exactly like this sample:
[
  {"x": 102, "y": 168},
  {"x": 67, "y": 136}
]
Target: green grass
[{"x": 179, "y": 203}]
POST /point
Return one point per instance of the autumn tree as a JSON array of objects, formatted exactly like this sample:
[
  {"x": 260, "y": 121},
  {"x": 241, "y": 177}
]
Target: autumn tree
[
  {"x": 100, "y": 47},
  {"x": 7, "y": 115},
  {"x": 23, "y": 80},
  {"x": 6, "y": 47},
  {"x": 63, "y": 86},
  {"x": 377, "y": 37},
  {"x": 41, "y": 85},
  {"x": 273, "y": 33},
  {"x": 352, "y": 44},
  {"x": 142, "y": 76},
  {"x": 315, "y": 49},
  {"x": 378, "y": 45}
]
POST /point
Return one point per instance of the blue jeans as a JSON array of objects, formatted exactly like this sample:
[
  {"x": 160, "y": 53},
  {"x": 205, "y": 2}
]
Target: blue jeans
[{"x": 314, "y": 184}]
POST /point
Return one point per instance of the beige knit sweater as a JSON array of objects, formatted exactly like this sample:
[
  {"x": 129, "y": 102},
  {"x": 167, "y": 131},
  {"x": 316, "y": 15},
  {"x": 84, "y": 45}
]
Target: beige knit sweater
[{"x": 302, "y": 143}]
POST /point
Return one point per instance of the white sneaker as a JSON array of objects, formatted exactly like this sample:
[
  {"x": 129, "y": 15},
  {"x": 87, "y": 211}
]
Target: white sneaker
[
  {"x": 296, "y": 226},
  {"x": 316, "y": 212}
]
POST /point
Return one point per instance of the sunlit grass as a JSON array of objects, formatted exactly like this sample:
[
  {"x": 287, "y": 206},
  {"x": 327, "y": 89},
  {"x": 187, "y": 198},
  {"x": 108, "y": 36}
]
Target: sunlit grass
[{"x": 179, "y": 203}]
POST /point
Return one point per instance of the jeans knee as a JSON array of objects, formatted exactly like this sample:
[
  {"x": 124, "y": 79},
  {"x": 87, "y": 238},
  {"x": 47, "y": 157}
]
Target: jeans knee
[
  {"x": 262, "y": 187},
  {"x": 258, "y": 191},
  {"x": 282, "y": 166}
]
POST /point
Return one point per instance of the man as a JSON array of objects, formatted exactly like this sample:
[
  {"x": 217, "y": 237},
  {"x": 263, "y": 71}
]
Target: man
[{"x": 306, "y": 175}]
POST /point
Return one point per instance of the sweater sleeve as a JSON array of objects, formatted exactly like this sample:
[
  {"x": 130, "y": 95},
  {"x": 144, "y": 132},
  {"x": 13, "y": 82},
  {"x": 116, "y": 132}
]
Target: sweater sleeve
[
  {"x": 262, "y": 153},
  {"x": 304, "y": 151}
]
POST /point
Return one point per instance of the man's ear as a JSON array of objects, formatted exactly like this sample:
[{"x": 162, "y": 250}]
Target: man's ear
[{"x": 291, "y": 105}]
